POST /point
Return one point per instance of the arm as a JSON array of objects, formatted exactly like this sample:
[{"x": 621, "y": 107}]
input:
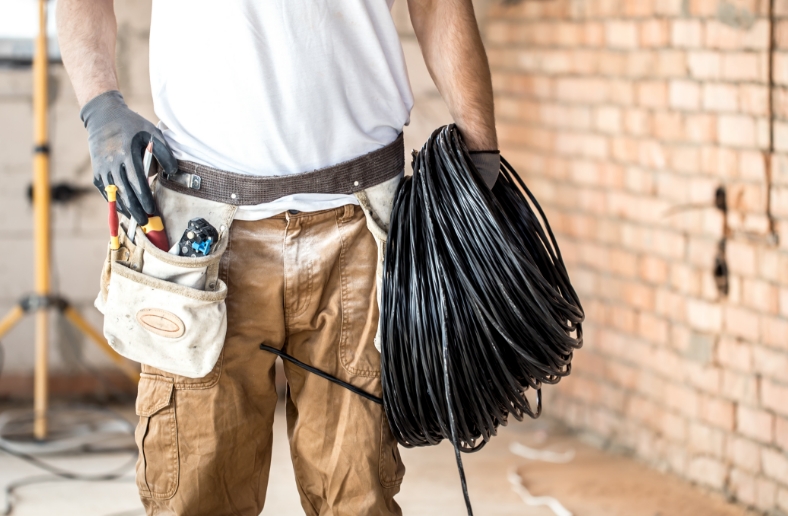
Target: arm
[
  {"x": 86, "y": 32},
  {"x": 117, "y": 136},
  {"x": 455, "y": 57}
]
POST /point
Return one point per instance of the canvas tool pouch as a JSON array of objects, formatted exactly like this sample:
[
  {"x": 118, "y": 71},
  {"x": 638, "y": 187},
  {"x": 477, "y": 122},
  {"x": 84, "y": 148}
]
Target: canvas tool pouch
[{"x": 164, "y": 310}]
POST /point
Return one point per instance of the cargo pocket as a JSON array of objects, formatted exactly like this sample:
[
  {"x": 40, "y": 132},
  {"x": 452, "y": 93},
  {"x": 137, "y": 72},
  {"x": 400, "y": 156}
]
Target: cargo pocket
[
  {"x": 164, "y": 310},
  {"x": 158, "y": 467},
  {"x": 392, "y": 470}
]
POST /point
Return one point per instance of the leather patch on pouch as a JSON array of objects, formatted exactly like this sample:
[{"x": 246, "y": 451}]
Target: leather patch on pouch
[{"x": 161, "y": 322}]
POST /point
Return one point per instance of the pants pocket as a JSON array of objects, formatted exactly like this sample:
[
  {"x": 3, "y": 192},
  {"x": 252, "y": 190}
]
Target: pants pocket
[
  {"x": 392, "y": 469},
  {"x": 158, "y": 467}
]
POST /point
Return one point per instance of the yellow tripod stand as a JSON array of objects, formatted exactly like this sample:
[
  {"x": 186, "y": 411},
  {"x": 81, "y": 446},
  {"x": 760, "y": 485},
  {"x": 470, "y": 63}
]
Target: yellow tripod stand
[{"x": 43, "y": 300}]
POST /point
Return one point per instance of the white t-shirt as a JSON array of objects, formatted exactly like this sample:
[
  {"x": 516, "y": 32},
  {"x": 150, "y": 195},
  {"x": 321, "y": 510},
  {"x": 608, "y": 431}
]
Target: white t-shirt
[{"x": 277, "y": 87}]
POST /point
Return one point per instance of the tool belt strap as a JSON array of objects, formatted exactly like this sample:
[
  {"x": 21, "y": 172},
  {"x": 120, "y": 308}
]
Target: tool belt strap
[{"x": 244, "y": 190}]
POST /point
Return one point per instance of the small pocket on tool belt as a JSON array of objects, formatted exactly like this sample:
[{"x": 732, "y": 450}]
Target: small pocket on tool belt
[
  {"x": 373, "y": 201},
  {"x": 158, "y": 466},
  {"x": 164, "y": 310}
]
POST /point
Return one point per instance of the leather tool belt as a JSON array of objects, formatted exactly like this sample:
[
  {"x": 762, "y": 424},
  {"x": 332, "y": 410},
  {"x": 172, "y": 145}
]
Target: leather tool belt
[{"x": 236, "y": 189}]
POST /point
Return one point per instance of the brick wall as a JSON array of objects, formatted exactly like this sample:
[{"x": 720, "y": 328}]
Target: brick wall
[{"x": 625, "y": 116}]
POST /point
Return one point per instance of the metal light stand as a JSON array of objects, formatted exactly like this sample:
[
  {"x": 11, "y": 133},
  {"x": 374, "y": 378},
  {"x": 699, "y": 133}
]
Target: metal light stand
[{"x": 43, "y": 300}]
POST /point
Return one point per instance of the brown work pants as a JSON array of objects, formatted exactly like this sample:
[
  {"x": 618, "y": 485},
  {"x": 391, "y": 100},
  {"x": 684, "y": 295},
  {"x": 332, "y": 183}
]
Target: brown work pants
[{"x": 304, "y": 283}]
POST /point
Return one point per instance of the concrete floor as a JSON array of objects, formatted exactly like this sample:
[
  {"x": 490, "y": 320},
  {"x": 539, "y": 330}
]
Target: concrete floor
[{"x": 592, "y": 484}]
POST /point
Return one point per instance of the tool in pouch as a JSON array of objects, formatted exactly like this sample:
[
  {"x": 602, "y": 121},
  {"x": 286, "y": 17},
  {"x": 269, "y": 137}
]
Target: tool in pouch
[
  {"x": 160, "y": 308},
  {"x": 155, "y": 226}
]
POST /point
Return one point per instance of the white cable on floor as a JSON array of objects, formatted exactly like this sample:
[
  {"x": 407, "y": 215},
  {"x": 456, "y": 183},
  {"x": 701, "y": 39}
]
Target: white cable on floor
[
  {"x": 535, "y": 501},
  {"x": 527, "y": 452}
]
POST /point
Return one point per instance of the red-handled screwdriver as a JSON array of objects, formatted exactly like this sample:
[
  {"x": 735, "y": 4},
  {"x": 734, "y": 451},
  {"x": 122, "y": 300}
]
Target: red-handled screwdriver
[
  {"x": 112, "y": 194},
  {"x": 154, "y": 229}
]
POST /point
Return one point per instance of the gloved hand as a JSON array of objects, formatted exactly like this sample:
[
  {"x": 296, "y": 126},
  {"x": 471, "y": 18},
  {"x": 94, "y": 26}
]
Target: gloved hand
[
  {"x": 117, "y": 137},
  {"x": 488, "y": 163}
]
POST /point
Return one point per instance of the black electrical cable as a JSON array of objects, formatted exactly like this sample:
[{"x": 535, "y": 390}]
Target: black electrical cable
[
  {"x": 314, "y": 370},
  {"x": 477, "y": 304}
]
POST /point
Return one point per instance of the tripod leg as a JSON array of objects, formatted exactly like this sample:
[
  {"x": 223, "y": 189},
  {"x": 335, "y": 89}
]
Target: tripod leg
[
  {"x": 10, "y": 320},
  {"x": 81, "y": 324}
]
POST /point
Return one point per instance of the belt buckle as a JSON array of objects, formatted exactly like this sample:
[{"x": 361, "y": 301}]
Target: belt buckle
[{"x": 191, "y": 181}]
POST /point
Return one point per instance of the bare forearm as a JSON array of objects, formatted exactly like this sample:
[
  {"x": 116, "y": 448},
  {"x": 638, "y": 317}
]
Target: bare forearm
[
  {"x": 87, "y": 30},
  {"x": 455, "y": 56}
]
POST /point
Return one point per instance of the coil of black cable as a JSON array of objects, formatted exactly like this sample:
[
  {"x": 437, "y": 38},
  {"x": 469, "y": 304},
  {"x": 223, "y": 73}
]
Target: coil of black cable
[{"x": 477, "y": 304}]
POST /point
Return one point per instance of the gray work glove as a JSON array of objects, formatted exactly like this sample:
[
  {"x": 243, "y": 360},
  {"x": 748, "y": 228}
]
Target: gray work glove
[
  {"x": 117, "y": 137},
  {"x": 488, "y": 163}
]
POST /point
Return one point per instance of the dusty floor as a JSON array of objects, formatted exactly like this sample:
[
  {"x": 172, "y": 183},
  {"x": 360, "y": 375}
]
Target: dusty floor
[{"x": 591, "y": 484}]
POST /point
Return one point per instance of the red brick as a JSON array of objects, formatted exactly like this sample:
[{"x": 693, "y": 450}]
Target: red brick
[
  {"x": 702, "y": 8},
  {"x": 752, "y": 166},
  {"x": 775, "y": 464},
  {"x": 652, "y": 94},
  {"x": 640, "y": 64},
  {"x": 708, "y": 472},
  {"x": 740, "y": 387},
  {"x": 774, "y": 332},
  {"x": 706, "y": 440},
  {"x": 639, "y": 9},
  {"x": 717, "y": 412},
  {"x": 744, "y": 66},
  {"x": 735, "y": 354},
  {"x": 704, "y": 316},
  {"x": 654, "y": 33},
  {"x": 781, "y": 137},
  {"x": 719, "y": 161},
  {"x": 784, "y": 301},
  {"x": 720, "y": 97},
  {"x": 774, "y": 396},
  {"x": 755, "y": 423},
  {"x": 742, "y": 323},
  {"x": 718, "y": 35},
  {"x": 760, "y": 295},
  {"x": 780, "y": 64},
  {"x": 621, "y": 34},
  {"x": 621, "y": 92},
  {"x": 736, "y": 130},
  {"x": 781, "y": 433},
  {"x": 704, "y": 64},
  {"x": 706, "y": 378},
  {"x": 686, "y": 33},
  {"x": 781, "y": 34},
  {"x": 754, "y": 99},
  {"x": 668, "y": 126},
  {"x": 669, "y": 7},
  {"x": 653, "y": 270},
  {"x": 745, "y": 454},
  {"x": 742, "y": 484},
  {"x": 670, "y": 63},
  {"x": 765, "y": 494},
  {"x": 593, "y": 34},
  {"x": 700, "y": 128},
  {"x": 608, "y": 119},
  {"x": 652, "y": 329},
  {"x": 581, "y": 90},
  {"x": 684, "y": 95}
]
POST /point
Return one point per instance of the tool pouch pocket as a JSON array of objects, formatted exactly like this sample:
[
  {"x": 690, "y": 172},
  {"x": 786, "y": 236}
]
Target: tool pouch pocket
[
  {"x": 377, "y": 203},
  {"x": 164, "y": 310}
]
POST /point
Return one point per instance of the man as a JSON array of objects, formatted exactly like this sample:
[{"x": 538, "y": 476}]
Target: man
[{"x": 273, "y": 92}]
